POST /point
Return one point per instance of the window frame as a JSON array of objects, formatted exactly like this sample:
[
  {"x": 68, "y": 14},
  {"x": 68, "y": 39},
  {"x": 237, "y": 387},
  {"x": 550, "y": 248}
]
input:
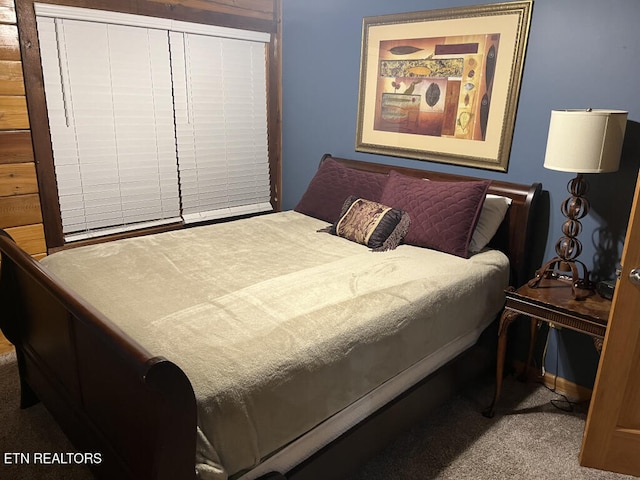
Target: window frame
[{"x": 262, "y": 16}]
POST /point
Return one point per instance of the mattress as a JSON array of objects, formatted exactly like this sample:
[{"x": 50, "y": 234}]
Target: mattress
[{"x": 280, "y": 327}]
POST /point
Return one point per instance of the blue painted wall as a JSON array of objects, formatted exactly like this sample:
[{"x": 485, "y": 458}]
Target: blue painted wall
[{"x": 581, "y": 53}]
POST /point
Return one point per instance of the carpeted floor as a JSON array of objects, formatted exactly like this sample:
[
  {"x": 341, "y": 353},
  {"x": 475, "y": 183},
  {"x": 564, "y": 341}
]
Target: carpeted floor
[
  {"x": 529, "y": 438},
  {"x": 29, "y": 431},
  {"x": 535, "y": 434}
]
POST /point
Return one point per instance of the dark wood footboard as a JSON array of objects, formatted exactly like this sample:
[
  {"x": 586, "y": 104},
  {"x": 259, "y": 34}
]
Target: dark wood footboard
[{"x": 110, "y": 396}]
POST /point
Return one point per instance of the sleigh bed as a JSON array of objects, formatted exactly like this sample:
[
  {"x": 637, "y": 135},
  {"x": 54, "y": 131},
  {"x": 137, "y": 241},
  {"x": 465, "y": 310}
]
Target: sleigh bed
[{"x": 272, "y": 345}]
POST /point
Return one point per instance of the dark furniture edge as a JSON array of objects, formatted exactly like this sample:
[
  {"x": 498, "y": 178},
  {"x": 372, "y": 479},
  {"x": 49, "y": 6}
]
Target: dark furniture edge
[{"x": 107, "y": 392}]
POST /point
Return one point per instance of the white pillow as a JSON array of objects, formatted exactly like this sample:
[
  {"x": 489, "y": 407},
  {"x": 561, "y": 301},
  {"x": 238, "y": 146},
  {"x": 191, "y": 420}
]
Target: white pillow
[{"x": 493, "y": 211}]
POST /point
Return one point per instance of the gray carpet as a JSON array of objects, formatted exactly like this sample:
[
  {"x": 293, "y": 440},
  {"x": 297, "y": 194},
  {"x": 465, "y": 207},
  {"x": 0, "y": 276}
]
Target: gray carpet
[
  {"x": 29, "y": 431},
  {"x": 529, "y": 438},
  {"x": 535, "y": 434}
]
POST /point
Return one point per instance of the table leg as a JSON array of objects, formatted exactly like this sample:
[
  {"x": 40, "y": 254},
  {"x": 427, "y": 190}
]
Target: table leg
[
  {"x": 533, "y": 334},
  {"x": 507, "y": 317},
  {"x": 598, "y": 342}
]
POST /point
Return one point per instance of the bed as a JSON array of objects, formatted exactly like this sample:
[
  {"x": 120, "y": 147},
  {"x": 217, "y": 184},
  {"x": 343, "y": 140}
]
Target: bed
[{"x": 270, "y": 346}]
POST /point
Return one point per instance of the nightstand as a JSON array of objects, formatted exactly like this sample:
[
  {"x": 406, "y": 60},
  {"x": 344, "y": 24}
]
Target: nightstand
[{"x": 553, "y": 303}]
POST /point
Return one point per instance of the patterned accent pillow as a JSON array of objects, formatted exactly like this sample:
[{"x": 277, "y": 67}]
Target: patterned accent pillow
[
  {"x": 332, "y": 183},
  {"x": 370, "y": 223},
  {"x": 443, "y": 214}
]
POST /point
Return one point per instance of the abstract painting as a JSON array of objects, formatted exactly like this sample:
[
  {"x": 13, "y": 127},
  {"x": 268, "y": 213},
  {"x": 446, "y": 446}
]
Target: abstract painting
[{"x": 443, "y": 85}]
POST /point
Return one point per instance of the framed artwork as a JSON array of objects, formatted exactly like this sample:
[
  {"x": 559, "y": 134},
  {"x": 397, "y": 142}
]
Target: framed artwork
[{"x": 443, "y": 85}]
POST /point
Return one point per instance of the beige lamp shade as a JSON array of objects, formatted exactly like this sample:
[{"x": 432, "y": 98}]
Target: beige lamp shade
[{"x": 585, "y": 141}]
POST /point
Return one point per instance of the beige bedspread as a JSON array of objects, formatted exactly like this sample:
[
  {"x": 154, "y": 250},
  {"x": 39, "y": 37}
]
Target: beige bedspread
[{"x": 277, "y": 326}]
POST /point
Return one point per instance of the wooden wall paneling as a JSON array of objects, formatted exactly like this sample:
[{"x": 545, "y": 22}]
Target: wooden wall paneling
[
  {"x": 13, "y": 147},
  {"x": 212, "y": 12},
  {"x": 9, "y": 46},
  {"x": 245, "y": 8},
  {"x": 29, "y": 237},
  {"x": 16, "y": 146},
  {"x": 5, "y": 345},
  {"x": 11, "y": 81},
  {"x": 39, "y": 122},
  {"x": 13, "y": 112},
  {"x": 7, "y": 11},
  {"x": 18, "y": 179},
  {"x": 19, "y": 200},
  {"x": 19, "y": 210}
]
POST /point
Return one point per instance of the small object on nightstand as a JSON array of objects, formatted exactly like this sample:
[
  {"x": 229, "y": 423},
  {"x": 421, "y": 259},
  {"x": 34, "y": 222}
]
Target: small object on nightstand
[{"x": 606, "y": 288}]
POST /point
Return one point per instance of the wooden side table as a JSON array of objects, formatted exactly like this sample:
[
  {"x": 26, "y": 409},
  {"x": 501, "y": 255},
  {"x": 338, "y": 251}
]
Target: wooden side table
[{"x": 553, "y": 303}]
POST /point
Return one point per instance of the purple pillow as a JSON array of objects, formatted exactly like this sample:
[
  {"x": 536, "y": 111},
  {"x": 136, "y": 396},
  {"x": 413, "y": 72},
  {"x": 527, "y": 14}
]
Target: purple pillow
[
  {"x": 332, "y": 184},
  {"x": 443, "y": 214}
]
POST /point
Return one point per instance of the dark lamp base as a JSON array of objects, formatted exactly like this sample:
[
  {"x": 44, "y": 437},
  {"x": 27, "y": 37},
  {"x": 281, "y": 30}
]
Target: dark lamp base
[{"x": 581, "y": 287}]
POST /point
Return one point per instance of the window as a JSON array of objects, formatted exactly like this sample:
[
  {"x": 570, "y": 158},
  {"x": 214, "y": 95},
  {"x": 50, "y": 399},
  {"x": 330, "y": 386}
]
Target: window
[
  {"x": 221, "y": 125},
  {"x": 152, "y": 121}
]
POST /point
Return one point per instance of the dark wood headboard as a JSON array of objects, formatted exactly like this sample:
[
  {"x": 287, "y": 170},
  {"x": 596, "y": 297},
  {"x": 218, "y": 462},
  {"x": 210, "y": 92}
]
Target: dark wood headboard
[{"x": 514, "y": 235}]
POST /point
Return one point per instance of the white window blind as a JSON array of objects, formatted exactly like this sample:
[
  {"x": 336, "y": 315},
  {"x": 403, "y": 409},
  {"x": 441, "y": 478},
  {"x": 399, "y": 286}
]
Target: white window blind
[
  {"x": 150, "y": 122},
  {"x": 110, "y": 107},
  {"x": 221, "y": 125}
]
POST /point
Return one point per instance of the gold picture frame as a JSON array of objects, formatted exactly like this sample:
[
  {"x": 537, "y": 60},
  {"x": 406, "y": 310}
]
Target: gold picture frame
[{"x": 443, "y": 85}]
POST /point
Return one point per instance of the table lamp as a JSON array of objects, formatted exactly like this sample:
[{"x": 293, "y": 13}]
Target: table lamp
[{"x": 579, "y": 141}]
